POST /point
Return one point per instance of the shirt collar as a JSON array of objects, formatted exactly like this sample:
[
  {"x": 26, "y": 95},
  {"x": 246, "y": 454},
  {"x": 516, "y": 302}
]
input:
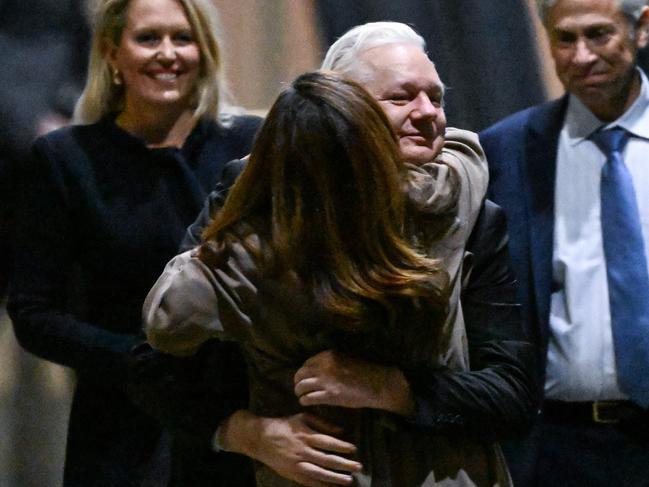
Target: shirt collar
[{"x": 581, "y": 123}]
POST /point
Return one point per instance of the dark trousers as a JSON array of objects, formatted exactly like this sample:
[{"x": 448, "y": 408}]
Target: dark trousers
[{"x": 581, "y": 454}]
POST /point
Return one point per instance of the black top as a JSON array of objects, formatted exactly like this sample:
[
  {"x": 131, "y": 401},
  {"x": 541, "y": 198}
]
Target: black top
[{"x": 98, "y": 221}]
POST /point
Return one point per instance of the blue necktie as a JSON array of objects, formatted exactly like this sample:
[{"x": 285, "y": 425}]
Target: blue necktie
[{"x": 626, "y": 267}]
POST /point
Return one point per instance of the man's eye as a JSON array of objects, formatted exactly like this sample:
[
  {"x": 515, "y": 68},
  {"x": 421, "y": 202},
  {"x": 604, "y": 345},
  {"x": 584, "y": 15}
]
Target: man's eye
[
  {"x": 565, "y": 38},
  {"x": 599, "y": 35},
  {"x": 436, "y": 100},
  {"x": 399, "y": 98}
]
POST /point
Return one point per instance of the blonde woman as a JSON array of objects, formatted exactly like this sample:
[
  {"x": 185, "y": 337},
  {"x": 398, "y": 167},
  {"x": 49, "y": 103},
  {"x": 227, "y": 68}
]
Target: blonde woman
[{"x": 107, "y": 206}]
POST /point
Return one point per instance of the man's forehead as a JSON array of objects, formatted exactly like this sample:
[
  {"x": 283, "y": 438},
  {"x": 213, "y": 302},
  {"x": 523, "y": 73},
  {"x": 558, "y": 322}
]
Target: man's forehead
[
  {"x": 401, "y": 53},
  {"x": 399, "y": 64},
  {"x": 572, "y": 15}
]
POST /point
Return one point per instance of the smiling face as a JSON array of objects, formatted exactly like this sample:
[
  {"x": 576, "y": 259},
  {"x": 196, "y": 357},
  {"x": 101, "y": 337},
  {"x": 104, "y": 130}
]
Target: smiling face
[
  {"x": 407, "y": 86},
  {"x": 594, "y": 46},
  {"x": 157, "y": 57}
]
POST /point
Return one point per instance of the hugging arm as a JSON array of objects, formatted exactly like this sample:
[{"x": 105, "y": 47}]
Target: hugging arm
[
  {"x": 496, "y": 399},
  {"x": 190, "y": 305},
  {"x": 214, "y": 201}
]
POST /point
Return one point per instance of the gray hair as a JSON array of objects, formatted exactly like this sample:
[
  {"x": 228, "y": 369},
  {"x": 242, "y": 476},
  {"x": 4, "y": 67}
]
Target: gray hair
[
  {"x": 343, "y": 55},
  {"x": 101, "y": 97},
  {"x": 630, "y": 8}
]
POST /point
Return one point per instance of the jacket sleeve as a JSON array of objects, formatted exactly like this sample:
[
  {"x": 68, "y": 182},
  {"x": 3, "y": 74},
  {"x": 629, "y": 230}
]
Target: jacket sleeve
[
  {"x": 193, "y": 234},
  {"x": 192, "y": 303},
  {"x": 180, "y": 313},
  {"x": 498, "y": 397},
  {"x": 42, "y": 297},
  {"x": 214, "y": 202}
]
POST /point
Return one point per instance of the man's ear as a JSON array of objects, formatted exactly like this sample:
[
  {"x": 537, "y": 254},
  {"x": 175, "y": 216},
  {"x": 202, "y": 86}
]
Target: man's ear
[{"x": 642, "y": 28}]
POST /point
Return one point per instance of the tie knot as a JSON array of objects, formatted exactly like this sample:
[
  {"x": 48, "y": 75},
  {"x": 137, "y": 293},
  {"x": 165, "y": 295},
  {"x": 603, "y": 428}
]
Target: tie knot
[{"x": 610, "y": 141}]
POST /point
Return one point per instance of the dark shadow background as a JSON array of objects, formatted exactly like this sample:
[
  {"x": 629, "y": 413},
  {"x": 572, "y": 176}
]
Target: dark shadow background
[{"x": 484, "y": 51}]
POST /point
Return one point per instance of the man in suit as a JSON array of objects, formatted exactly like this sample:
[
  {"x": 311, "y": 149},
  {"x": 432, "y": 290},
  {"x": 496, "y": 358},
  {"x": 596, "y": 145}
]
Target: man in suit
[
  {"x": 573, "y": 178},
  {"x": 496, "y": 398}
]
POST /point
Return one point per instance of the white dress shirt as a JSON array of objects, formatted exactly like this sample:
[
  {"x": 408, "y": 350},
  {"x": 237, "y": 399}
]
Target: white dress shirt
[{"x": 581, "y": 356}]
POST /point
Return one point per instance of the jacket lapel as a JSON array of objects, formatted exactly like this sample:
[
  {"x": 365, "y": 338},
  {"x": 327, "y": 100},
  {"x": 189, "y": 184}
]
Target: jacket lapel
[{"x": 540, "y": 155}]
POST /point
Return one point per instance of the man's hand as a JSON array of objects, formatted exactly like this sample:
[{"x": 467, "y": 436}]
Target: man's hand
[
  {"x": 332, "y": 379},
  {"x": 299, "y": 448}
]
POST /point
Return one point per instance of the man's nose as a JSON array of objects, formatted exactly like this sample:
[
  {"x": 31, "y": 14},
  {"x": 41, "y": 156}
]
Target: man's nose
[
  {"x": 583, "y": 53},
  {"x": 423, "y": 108}
]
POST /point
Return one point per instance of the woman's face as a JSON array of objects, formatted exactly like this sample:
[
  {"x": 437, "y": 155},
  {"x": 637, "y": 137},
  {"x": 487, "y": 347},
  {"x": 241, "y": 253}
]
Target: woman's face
[{"x": 158, "y": 58}]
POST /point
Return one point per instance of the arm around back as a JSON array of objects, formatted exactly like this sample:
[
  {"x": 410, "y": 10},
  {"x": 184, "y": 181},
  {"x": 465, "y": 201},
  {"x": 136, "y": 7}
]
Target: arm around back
[{"x": 498, "y": 397}]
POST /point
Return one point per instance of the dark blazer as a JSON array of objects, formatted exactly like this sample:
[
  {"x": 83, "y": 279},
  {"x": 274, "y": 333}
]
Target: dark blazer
[{"x": 521, "y": 151}]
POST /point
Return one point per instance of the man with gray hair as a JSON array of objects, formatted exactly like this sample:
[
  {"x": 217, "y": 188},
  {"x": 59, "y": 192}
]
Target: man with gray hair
[
  {"x": 573, "y": 178},
  {"x": 389, "y": 60},
  {"x": 489, "y": 402}
]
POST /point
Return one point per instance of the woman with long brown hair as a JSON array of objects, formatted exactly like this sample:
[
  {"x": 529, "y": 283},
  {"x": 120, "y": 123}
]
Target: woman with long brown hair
[{"x": 314, "y": 252}]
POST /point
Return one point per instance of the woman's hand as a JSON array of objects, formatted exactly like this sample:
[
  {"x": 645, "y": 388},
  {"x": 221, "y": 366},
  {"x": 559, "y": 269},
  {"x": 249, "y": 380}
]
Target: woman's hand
[
  {"x": 332, "y": 379},
  {"x": 300, "y": 448}
]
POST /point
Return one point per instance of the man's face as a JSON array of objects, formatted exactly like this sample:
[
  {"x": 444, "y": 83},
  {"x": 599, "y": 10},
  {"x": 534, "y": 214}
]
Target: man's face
[
  {"x": 406, "y": 84},
  {"x": 594, "y": 47}
]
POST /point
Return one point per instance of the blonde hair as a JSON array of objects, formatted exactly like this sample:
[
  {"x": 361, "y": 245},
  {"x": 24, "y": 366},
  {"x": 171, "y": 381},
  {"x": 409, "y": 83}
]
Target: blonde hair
[{"x": 101, "y": 97}]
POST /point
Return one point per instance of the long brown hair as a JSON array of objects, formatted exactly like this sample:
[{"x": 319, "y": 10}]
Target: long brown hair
[{"x": 324, "y": 192}]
